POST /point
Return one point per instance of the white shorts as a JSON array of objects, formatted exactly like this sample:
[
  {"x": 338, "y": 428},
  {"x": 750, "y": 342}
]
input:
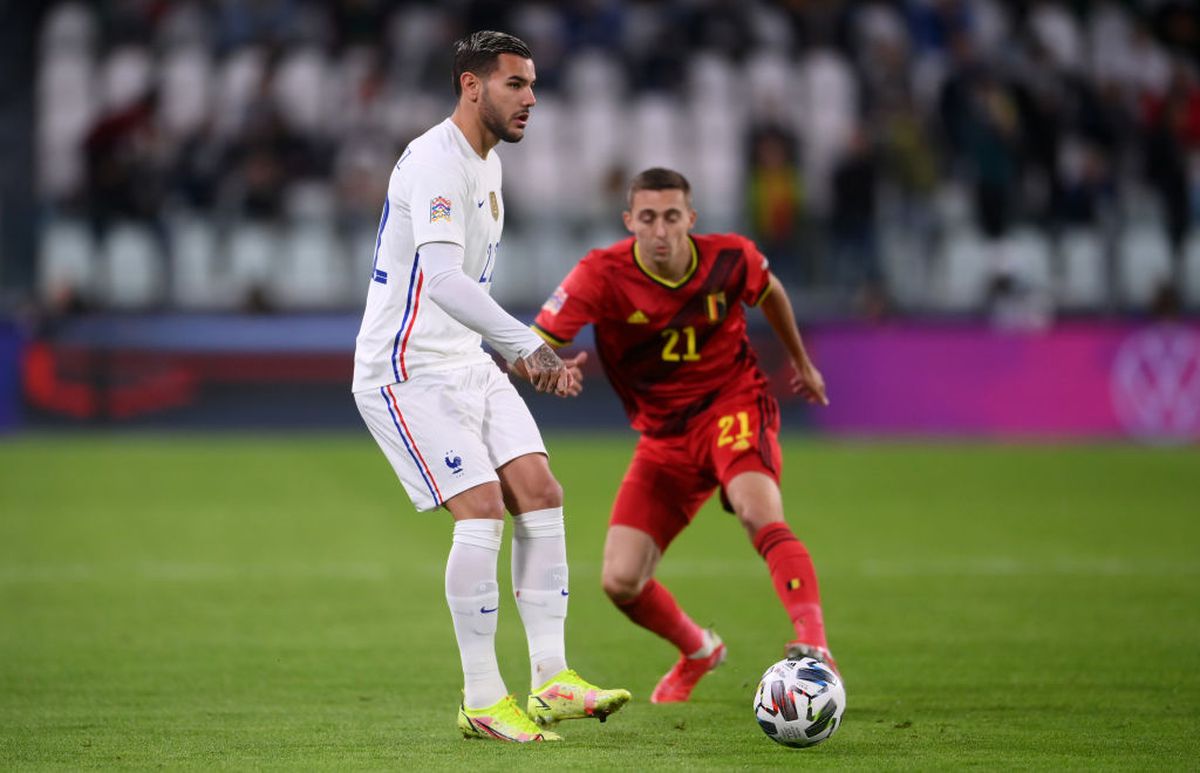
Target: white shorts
[{"x": 447, "y": 432}]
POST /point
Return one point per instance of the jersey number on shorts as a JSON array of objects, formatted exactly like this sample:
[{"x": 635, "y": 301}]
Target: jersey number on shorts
[
  {"x": 672, "y": 335},
  {"x": 740, "y": 441}
]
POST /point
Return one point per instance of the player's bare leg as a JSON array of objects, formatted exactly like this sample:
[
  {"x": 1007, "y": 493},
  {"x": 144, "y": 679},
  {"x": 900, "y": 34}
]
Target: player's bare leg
[
  {"x": 540, "y": 585},
  {"x": 758, "y": 505},
  {"x": 630, "y": 558}
]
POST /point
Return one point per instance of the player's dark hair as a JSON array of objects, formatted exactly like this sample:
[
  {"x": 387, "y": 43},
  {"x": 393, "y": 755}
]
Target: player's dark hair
[
  {"x": 479, "y": 53},
  {"x": 660, "y": 179}
]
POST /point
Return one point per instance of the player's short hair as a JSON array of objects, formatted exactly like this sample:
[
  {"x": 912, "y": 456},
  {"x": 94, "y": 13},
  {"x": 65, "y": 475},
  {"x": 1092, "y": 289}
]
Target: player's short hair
[
  {"x": 480, "y": 52},
  {"x": 660, "y": 179}
]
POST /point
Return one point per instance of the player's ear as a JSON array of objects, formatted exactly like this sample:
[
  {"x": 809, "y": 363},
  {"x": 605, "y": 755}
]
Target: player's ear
[
  {"x": 471, "y": 85},
  {"x": 627, "y": 218},
  {"x": 691, "y": 218}
]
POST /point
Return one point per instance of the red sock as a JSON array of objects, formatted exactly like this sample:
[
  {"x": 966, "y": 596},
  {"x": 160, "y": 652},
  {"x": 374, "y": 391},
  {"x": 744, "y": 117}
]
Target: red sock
[
  {"x": 795, "y": 580},
  {"x": 655, "y": 609}
]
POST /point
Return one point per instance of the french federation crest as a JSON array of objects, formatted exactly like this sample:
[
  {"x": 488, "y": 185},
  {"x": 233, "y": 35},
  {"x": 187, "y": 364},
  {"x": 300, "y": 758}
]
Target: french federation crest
[
  {"x": 495, "y": 205},
  {"x": 439, "y": 210}
]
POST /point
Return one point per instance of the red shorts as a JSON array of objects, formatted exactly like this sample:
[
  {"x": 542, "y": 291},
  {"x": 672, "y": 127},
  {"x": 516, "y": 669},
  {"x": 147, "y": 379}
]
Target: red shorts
[{"x": 670, "y": 478}]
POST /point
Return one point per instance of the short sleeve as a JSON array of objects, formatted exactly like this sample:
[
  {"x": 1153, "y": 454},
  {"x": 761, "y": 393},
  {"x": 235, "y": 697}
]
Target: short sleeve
[
  {"x": 758, "y": 274},
  {"x": 437, "y": 200},
  {"x": 572, "y": 305}
]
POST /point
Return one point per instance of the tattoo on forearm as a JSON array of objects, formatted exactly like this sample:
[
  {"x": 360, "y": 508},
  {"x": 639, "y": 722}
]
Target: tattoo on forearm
[{"x": 544, "y": 358}]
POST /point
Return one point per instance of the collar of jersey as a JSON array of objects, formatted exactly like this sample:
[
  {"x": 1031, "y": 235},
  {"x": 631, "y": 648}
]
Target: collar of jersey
[{"x": 681, "y": 281}]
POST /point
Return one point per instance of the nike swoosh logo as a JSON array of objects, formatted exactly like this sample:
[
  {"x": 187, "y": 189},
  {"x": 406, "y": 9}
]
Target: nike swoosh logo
[
  {"x": 480, "y": 205},
  {"x": 486, "y": 611},
  {"x": 564, "y": 592}
]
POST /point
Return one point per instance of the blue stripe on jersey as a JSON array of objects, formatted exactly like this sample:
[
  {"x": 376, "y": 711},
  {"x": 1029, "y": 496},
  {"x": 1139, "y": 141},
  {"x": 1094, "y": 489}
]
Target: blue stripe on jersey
[
  {"x": 412, "y": 283},
  {"x": 407, "y": 447},
  {"x": 376, "y": 274},
  {"x": 491, "y": 253}
]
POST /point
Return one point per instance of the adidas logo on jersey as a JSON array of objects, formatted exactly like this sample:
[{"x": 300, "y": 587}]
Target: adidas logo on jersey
[{"x": 638, "y": 318}]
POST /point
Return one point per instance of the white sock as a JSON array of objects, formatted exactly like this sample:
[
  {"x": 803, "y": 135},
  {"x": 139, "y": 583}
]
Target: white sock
[
  {"x": 539, "y": 570},
  {"x": 710, "y": 645},
  {"x": 474, "y": 599}
]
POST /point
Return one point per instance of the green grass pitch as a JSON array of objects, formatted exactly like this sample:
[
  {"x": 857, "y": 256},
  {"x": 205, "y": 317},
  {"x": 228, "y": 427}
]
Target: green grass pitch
[{"x": 239, "y": 602}]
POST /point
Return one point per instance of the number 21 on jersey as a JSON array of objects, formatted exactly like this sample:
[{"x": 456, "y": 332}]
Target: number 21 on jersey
[
  {"x": 670, "y": 351},
  {"x": 727, "y": 424}
]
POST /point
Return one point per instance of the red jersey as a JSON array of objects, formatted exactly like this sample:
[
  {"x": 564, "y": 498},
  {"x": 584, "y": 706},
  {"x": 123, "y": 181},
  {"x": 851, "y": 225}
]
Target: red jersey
[{"x": 670, "y": 349}]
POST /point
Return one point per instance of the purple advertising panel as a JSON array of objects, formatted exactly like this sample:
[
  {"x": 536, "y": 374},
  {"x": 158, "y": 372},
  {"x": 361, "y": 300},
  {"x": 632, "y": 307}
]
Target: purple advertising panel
[{"x": 1077, "y": 380}]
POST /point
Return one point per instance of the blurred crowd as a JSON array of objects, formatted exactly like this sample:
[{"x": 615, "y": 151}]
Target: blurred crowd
[{"x": 1019, "y": 159}]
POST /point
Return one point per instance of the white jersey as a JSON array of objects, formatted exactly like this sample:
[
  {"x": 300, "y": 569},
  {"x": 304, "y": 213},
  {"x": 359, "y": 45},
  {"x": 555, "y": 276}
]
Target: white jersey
[{"x": 440, "y": 191}]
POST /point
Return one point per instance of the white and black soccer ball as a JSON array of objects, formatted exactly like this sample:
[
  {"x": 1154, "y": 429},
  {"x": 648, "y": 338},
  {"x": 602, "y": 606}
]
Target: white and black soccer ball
[{"x": 799, "y": 702}]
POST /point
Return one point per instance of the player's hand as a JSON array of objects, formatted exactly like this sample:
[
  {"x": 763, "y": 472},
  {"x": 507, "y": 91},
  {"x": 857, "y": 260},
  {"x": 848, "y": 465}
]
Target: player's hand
[
  {"x": 575, "y": 366},
  {"x": 808, "y": 382},
  {"x": 546, "y": 371}
]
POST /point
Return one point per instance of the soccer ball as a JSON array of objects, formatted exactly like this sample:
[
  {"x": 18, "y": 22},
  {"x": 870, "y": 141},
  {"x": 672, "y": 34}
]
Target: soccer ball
[{"x": 799, "y": 702}]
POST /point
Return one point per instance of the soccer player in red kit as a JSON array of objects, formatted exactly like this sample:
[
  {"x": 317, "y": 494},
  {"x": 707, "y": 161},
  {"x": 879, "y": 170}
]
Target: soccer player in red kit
[{"x": 670, "y": 331}]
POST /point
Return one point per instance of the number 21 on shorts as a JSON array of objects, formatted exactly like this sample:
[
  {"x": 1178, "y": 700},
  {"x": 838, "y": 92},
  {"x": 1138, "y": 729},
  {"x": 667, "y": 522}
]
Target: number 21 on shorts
[{"x": 727, "y": 424}]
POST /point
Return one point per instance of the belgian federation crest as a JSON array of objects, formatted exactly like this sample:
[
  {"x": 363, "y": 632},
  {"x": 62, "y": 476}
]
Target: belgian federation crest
[
  {"x": 715, "y": 306},
  {"x": 495, "y": 205}
]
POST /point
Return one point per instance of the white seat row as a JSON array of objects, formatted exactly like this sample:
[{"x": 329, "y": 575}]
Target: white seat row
[{"x": 311, "y": 266}]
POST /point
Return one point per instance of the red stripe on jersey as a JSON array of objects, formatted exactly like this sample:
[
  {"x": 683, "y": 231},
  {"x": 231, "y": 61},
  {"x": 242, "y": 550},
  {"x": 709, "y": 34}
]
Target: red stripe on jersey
[
  {"x": 412, "y": 322},
  {"x": 413, "y": 441}
]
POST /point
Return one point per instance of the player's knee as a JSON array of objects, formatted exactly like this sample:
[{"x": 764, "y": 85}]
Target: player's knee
[
  {"x": 753, "y": 517},
  {"x": 546, "y": 494},
  {"x": 477, "y": 503},
  {"x": 491, "y": 508},
  {"x": 621, "y": 587}
]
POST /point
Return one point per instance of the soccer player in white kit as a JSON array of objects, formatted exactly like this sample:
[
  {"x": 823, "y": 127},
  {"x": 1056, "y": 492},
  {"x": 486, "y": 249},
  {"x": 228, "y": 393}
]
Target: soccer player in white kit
[{"x": 453, "y": 427}]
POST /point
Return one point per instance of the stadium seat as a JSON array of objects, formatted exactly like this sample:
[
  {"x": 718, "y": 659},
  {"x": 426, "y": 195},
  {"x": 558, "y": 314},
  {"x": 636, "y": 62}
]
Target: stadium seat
[
  {"x": 593, "y": 76},
  {"x": 238, "y": 84},
  {"x": 66, "y": 260},
  {"x": 310, "y": 200},
  {"x": 877, "y": 23},
  {"x": 716, "y": 113},
  {"x": 361, "y": 260},
  {"x": 712, "y": 79},
  {"x": 185, "y": 77},
  {"x": 415, "y": 33},
  {"x": 132, "y": 267},
  {"x": 770, "y": 85},
  {"x": 594, "y": 154},
  {"x": 195, "y": 279},
  {"x": 657, "y": 135},
  {"x": 825, "y": 116},
  {"x": 1059, "y": 34},
  {"x": 311, "y": 268},
  {"x": 66, "y": 106},
  {"x": 965, "y": 271},
  {"x": 990, "y": 25},
  {"x": 1028, "y": 256},
  {"x": 126, "y": 76},
  {"x": 302, "y": 90},
  {"x": 1083, "y": 271},
  {"x": 252, "y": 250},
  {"x": 1191, "y": 270},
  {"x": 69, "y": 28},
  {"x": 717, "y": 168},
  {"x": 905, "y": 265},
  {"x": 539, "y": 176},
  {"x": 1145, "y": 262}
]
